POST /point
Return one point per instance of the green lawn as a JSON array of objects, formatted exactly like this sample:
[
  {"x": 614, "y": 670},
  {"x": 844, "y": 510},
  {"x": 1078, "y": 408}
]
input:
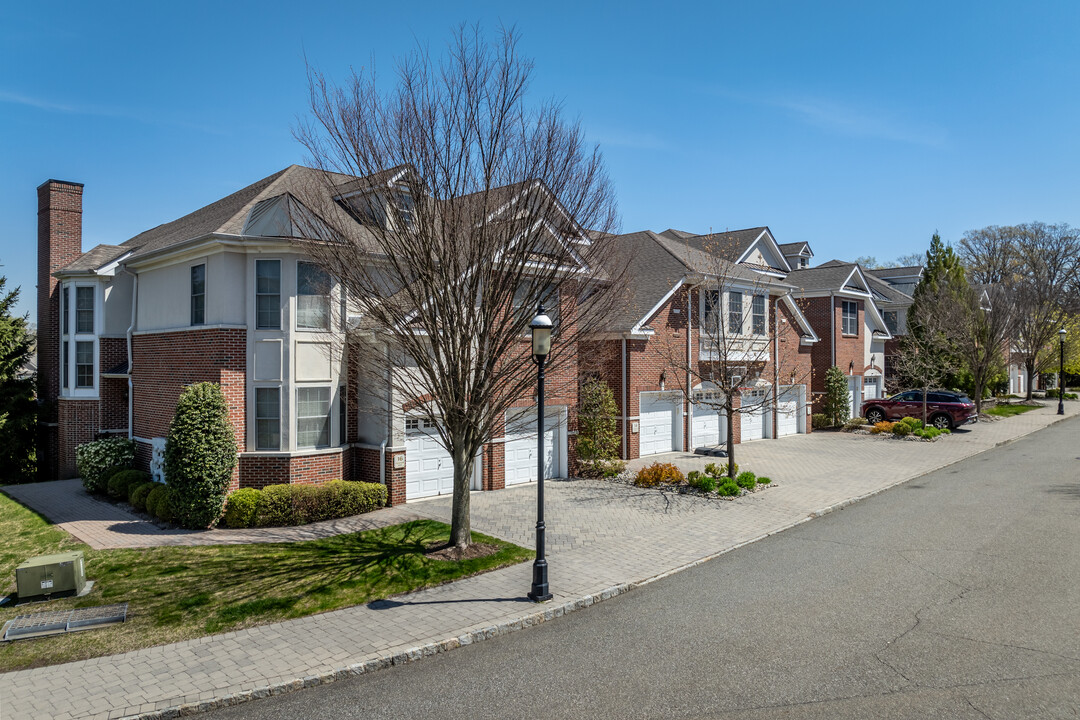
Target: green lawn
[
  {"x": 179, "y": 593},
  {"x": 1009, "y": 410}
]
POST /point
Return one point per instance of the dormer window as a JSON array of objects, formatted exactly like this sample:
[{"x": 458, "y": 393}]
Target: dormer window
[{"x": 404, "y": 206}]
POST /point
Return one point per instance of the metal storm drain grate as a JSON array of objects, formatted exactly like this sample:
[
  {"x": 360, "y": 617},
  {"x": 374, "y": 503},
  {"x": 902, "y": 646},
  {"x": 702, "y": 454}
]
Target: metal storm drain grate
[{"x": 62, "y": 621}]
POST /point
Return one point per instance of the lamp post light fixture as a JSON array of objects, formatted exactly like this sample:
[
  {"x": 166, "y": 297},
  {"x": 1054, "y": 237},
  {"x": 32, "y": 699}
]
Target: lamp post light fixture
[
  {"x": 1061, "y": 375},
  {"x": 541, "y": 346}
]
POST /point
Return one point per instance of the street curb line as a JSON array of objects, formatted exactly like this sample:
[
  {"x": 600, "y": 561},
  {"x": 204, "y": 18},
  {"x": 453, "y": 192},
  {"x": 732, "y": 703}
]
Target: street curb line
[{"x": 537, "y": 618}]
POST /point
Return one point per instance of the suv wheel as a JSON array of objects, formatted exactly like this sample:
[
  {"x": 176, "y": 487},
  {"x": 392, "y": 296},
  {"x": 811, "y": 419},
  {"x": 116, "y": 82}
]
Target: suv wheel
[
  {"x": 941, "y": 422},
  {"x": 875, "y": 415}
]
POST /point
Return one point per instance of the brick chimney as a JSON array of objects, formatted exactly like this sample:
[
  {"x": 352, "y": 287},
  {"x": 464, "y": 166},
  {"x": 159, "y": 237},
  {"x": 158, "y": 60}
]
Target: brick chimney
[{"x": 59, "y": 244}]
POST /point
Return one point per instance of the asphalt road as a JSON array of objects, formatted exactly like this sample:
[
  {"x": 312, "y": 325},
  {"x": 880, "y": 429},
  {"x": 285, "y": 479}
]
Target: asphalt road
[{"x": 956, "y": 595}]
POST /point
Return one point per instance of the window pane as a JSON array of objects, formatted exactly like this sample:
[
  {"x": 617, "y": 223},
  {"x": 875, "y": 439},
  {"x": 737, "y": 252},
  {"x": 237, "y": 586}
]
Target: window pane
[
  {"x": 312, "y": 417},
  {"x": 268, "y": 276},
  {"x": 64, "y": 366},
  {"x": 313, "y": 312},
  {"x": 311, "y": 279},
  {"x": 734, "y": 313},
  {"x": 84, "y": 364},
  {"x": 342, "y": 415},
  {"x": 759, "y": 314},
  {"x": 198, "y": 279},
  {"x": 84, "y": 309},
  {"x": 66, "y": 308},
  {"x": 267, "y": 419}
]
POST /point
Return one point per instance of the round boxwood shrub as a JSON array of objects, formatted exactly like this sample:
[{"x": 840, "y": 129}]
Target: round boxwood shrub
[
  {"x": 139, "y": 494},
  {"x": 137, "y": 479},
  {"x": 95, "y": 460},
  {"x": 746, "y": 480},
  {"x": 165, "y": 510},
  {"x": 200, "y": 454},
  {"x": 901, "y": 429},
  {"x": 152, "y": 499},
  {"x": 121, "y": 483},
  {"x": 240, "y": 508},
  {"x": 728, "y": 489}
]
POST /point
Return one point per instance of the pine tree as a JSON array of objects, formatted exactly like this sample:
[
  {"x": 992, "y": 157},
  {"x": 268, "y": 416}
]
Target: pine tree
[
  {"x": 18, "y": 409},
  {"x": 598, "y": 434},
  {"x": 942, "y": 289}
]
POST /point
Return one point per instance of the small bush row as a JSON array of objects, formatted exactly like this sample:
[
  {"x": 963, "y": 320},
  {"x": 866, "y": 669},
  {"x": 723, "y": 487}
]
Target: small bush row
[
  {"x": 1053, "y": 393},
  {"x": 856, "y": 423},
  {"x": 713, "y": 479},
  {"x": 281, "y": 505},
  {"x": 601, "y": 468}
]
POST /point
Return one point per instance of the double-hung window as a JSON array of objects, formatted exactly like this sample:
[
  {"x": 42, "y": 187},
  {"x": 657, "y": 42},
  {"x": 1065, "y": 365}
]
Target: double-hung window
[
  {"x": 198, "y": 294},
  {"x": 65, "y": 306},
  {"x": 343, "y": 414},
  {"x": 64, "y": 365},
  {"x": 850, "y": 318},
  {"x": 268, "y": 418},
  {"x": 759, "y": 315},
  {"x": 735, "y": 313},
  {"x": 84, "y": 309},
  {"x": 312, "y": 297},
  {"x": 891, "y": 321},
  {"x": 84, "y": 364},
  {"x": 268, "y": 294},
  {"x": 312, "y": 417},
  {"x": 710, "y": 311}
]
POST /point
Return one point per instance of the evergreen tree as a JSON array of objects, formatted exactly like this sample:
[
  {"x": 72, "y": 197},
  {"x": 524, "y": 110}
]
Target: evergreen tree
[
  {"x": 836, "y": 406},
  {"x": 943, "y": 287},
  {"x": 18, "y": 409},
  {"x": 200, "y": 454},
  {"x": 598, "y": 432}
]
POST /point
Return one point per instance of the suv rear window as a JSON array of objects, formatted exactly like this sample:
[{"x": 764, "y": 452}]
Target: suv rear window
[{"x": 941, "y": 398}]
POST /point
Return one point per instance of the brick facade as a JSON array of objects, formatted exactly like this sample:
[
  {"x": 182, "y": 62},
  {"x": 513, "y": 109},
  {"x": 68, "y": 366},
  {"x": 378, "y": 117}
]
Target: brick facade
[
  {"x": 825, "y": 316},
  {"x": 258, "y": 471}
]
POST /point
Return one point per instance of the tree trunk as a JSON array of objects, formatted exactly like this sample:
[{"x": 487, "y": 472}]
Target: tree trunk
[
  {"x": 1029, "y": 367},
  {"x": 460, "y": 530},
  {"x": 730, "y": 439}
]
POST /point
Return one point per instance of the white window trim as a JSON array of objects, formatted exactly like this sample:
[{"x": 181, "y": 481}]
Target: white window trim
[
  {"x": 74, "y": 337},
  {"x": 280, "y": 293},
  {"x": 331, "y": 439},
  {"x": 255, "y": 416},
  {"x": 330, "y": 293},
  {"x": 843, "y": 318}
]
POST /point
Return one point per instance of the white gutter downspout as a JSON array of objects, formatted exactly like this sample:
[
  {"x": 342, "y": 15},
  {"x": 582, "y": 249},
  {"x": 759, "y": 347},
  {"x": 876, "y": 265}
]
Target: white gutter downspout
[
  {"x": 625, "y": 414},
  {"x": 389, "y": 421},
  {"x": 131, "y": 359},
  {"x": 689, "y": 365}
]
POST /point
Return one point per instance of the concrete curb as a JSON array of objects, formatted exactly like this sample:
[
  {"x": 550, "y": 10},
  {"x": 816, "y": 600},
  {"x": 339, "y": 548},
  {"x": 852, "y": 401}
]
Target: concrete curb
[{"x": 525, "y": 621}]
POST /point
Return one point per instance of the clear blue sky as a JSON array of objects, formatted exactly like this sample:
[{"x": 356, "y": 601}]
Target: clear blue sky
[{"x": 860, "y": 127}]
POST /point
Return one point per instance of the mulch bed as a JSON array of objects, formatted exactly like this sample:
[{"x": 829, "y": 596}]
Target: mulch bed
[{"x": 454, "y": 553}]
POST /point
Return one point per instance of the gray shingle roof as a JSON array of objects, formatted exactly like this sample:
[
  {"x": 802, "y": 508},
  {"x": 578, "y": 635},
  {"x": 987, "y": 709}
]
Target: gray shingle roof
[
  {"x": 93, "y": 259},
  {"x": 653, "y": 272},
  {"x": 889, "y": 295},
  {"x": 886, "y": 273},
  {"x": 827, "y": 276},
  {"x": 793, "y": 248}
]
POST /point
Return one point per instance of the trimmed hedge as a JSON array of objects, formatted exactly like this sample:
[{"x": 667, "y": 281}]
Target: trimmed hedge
[
  {"x": 153, "y": 497},
  {"x": 95, "y": 460},
  {"x": 138, "y": 495},
  {"x": 281, "y": 505},
  {"x": 240, "y": 508}
]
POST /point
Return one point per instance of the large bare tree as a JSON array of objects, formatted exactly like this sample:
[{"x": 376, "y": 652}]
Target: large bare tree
[
  {"x": 738, "y": 337},
  {"x": 465, "y": 206}
]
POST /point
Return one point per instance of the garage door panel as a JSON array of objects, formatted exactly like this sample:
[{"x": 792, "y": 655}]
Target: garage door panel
[
  {"x": 658, "y": 415},
  {"x": 429, "y": 469},
  {"x": 520, "y": 460},
  {"x": 753, "y": 421},
  {"x": 708, "y": 425}
]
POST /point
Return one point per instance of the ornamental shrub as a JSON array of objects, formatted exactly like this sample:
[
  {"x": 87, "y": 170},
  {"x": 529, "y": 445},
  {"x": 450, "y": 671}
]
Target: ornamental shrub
[
  {"x": 153, "y": 497},
  {"x": 122, "y": 483},
  {"x": 138, "y": 495},
  {"x": 746, "y": 480},
  {"x": 657, "y": 473},
  {"x": 713, "y": 469},
  {"x": 281, "y": 505},
  {"x": 598, "y": 436},
  {"x": 601, "y": 468},
  {"x": 734, "y": 470},
  {"x": 240, "y": 508},
  {"x": 855, "y": 424},
  {"x": 136, "y": 482},
  {"x": 882, "y": 427},
  {"x": 901, "y": 429},
  {"x": 704, "y": 483},
  {"x": 836, "y": 407},
  {"x": 728, "y": 488},
  {"x": 819, "y": 421},
  {"x": 913, "y": 423},
  {"x": 763, "y": 481},
  {"x": 165, "y": 510},
  {"x": 200, "y": 454},
  {"x": 93, "y": 461}
]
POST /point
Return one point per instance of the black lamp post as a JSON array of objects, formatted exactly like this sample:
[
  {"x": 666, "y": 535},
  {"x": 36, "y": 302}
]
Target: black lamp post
[
  {"x": 541, "y": 346},
  {"x": 1061, "y": 375}
]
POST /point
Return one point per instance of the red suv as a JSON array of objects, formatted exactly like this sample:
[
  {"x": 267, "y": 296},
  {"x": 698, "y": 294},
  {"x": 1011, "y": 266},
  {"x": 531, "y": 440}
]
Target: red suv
[{"x": 944, "y": 409}]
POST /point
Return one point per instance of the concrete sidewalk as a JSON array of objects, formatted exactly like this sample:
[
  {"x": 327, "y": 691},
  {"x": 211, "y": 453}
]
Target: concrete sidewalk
[{"x": 604, "y": 538}]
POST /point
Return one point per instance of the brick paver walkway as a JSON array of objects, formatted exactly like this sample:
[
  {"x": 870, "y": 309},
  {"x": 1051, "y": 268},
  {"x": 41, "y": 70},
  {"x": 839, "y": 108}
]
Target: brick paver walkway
[{"x": 603, "y": 539}]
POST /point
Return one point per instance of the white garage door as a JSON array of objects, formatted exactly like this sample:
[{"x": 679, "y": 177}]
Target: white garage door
[
  {"x": 709, "y": 426},
  {"x": 429, "y": 470},
  {"x": 787, "y": 412},
  {"x": 753, "y": 422},
  {"x": 871, "y": 389},
  {"x": 520, "y": 458},
  {"x": 659, "y": 413}
]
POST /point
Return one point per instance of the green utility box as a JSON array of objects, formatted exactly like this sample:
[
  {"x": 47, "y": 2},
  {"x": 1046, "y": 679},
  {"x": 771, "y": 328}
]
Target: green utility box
[{"x": 51, "y": 574}]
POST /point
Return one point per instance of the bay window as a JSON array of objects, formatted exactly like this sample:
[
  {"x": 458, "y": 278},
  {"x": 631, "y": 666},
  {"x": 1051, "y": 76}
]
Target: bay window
[
  {"x": 268, "y": 294},
  {"x": 268, "y": 418},
  {"x": 312, "y": 297},
  {"x": 312, "y": 417}
]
